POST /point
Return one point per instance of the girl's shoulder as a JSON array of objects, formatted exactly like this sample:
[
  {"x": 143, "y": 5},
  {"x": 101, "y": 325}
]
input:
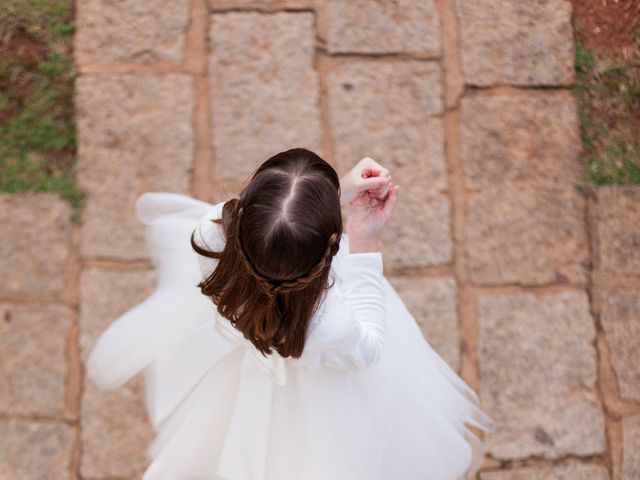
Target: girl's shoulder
[{"x": 210, "y": 234}]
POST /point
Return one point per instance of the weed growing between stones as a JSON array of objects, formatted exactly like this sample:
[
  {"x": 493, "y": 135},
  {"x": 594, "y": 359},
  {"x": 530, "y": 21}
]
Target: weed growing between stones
[
  {"x": 37, "y": 131},
  {"x": 608, "y": 93}
]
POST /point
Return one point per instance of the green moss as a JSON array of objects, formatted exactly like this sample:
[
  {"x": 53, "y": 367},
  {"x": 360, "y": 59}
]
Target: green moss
[
  {"x": 46, "y": 20},
  {"x": 584, "y": 61},
  {"x": 608, "y": 94},
  {"x": 617, "y": 165},
  {"x": 37, "y": 132}
]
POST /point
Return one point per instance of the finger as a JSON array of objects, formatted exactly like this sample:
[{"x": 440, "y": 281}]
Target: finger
[
  {"x": 370, "y": 163},
  {"x": 372, "y": 183},
  {"x": 370, "y": 172},
  {"x": 392, "y": 198}
]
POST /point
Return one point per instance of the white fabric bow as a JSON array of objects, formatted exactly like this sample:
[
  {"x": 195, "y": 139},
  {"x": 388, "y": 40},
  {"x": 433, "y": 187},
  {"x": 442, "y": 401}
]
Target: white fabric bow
[
  {"x": 244, "y": 454},
  {"x": 273, "y": 365}
]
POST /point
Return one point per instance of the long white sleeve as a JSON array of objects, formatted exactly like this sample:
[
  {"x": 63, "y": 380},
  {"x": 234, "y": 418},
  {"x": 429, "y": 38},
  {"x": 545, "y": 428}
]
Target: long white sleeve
[
  {"x": 357, "y": 314},
  {"x": 134, "y": 339}
]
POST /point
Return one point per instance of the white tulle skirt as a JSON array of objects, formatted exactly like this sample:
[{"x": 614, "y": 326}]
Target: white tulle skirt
[{"x": 220, "y": 413}]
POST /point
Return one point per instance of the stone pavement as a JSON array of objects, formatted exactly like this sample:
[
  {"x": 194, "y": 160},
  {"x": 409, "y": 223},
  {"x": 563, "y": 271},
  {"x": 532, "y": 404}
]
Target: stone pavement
[{"x": 526, "y": 284}]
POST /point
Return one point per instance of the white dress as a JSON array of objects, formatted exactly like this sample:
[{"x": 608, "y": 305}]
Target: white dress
[{"x": 368, "y": 399}]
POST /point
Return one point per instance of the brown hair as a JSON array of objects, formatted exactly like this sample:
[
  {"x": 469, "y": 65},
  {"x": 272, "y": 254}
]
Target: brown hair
[{"x": 281, "y": 235}]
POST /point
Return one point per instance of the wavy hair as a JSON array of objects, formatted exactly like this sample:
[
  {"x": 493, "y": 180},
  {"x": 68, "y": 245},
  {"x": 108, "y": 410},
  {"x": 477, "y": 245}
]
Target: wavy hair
[{"x": 281, "y": 234}]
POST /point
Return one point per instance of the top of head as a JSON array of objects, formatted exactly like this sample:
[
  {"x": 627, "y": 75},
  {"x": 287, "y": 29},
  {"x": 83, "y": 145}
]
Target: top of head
[{"x": 290, "y": 214}]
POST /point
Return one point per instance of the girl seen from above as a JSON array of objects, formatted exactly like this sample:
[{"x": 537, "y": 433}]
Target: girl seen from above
[{"x": 274, "y": 347}]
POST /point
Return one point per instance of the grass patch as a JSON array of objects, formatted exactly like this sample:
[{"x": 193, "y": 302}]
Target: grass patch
[
  {"x": 37, "y": 130},
  {"x": 608, "y": 93}
]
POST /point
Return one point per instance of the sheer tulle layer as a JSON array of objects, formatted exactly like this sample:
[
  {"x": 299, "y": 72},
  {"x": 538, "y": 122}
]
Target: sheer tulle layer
[{"x": 221, "y": 412}]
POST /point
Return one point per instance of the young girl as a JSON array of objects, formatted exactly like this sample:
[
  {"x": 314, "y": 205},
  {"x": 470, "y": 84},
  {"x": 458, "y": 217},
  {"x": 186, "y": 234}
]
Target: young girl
[{"x": 293, "y": 358}]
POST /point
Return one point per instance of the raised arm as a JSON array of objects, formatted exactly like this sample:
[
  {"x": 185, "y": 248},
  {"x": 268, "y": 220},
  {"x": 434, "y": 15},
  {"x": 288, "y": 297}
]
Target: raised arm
[{"x": 351, "y": 334}]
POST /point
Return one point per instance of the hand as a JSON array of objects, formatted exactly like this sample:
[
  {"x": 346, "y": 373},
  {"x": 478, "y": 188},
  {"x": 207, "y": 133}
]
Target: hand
[
  {"x": 366, "y": 218},
  {"x": 367, "y": 175}
]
